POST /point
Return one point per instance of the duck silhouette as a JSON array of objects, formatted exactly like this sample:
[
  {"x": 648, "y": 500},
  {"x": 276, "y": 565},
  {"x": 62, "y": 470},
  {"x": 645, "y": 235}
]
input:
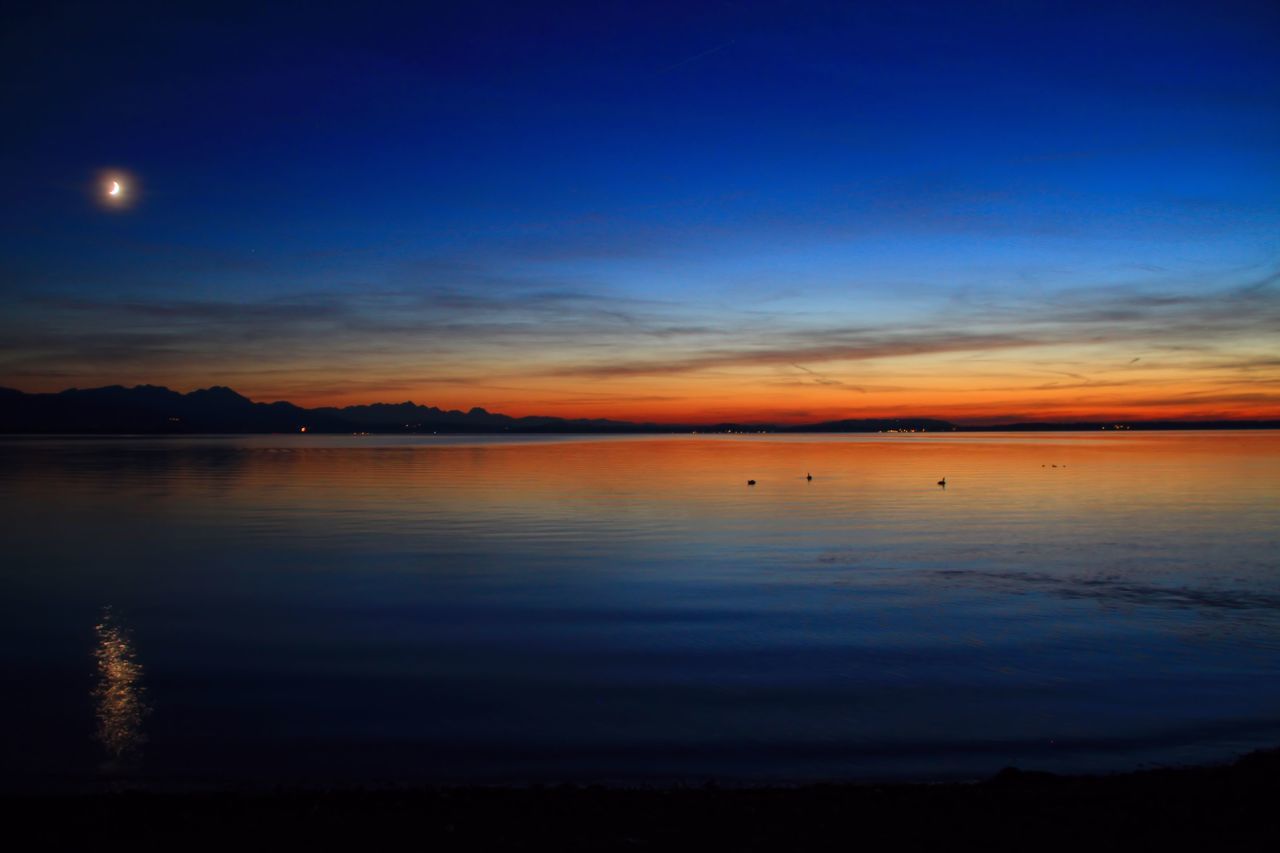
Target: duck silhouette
[
  {"x": 751, "y": 482},
  {"x": 943, "y": 482},
  {"x": 808, "y": 476}
]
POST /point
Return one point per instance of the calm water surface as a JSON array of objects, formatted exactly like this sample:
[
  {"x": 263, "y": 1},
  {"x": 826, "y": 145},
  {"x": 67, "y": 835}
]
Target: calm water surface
[{"x": 272, "y": 609}]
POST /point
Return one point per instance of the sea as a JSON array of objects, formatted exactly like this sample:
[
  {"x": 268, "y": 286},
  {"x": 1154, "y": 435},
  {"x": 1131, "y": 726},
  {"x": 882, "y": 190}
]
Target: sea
[{"x": 248, "y": 611}]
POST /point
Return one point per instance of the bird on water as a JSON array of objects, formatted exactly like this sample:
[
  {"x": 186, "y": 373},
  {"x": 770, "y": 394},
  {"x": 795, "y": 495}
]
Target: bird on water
[
  {"x": 751, "y": 482},
  {"x": 808, "y": 476},
  {"x": 943, "y": 482}
]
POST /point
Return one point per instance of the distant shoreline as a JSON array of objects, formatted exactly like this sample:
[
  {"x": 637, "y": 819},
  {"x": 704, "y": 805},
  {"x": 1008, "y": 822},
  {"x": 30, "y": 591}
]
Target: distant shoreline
[
  {"x": 1235, "y": 426},
  {"x": 155, "y": 410}
]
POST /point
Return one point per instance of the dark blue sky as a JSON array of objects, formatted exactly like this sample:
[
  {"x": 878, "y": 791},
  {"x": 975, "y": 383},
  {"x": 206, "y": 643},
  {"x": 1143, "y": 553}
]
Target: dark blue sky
[{"x": 631, "y": 208}]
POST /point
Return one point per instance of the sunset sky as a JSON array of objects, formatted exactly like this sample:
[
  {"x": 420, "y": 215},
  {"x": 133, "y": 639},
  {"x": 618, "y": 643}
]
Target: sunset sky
[{"x": 684, "y": 212}]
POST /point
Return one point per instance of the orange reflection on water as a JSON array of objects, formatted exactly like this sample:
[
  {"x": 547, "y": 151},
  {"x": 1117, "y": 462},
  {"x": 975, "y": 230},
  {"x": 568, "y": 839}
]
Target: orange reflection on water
[
  {"x": 308, "y": 485},
  {"x": 119, "y": 694}
]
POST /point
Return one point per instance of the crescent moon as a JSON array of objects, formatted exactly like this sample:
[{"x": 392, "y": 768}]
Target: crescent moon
[{"x": 115, "y": 188}]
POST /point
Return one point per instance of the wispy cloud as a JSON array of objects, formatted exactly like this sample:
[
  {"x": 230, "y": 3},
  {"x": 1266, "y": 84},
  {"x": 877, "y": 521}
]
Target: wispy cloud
[{"x": 815, "y": 346}]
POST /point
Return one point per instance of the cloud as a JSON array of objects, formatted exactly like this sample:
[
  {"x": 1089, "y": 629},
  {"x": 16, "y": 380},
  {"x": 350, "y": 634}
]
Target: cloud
[
  {"x": 821, "y": 379},
  {"x": 817, "y": 346}
]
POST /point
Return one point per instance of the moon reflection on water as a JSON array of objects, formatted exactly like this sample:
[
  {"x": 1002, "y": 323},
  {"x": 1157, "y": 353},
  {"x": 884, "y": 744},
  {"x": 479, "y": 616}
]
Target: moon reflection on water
[{"x": 119, "y": 695}]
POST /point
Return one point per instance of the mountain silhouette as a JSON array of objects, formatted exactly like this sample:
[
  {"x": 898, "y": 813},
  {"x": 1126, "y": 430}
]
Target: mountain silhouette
[{"x": 151, "y": 409}]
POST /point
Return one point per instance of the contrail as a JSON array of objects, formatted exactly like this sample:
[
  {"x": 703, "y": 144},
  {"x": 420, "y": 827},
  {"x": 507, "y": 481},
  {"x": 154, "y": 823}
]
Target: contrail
[{"x": 696, "y": 57}]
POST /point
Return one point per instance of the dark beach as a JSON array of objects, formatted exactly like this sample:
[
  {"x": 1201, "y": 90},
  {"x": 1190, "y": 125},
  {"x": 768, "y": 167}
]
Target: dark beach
[{"x": 1220, "y": 807}]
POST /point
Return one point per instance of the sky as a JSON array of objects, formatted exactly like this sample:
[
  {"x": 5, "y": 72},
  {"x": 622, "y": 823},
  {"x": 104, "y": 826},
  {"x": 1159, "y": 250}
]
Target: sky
[{"x": 685, "y": 212}]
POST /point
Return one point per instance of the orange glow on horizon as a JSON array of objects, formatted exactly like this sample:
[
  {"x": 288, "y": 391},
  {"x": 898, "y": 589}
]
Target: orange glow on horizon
[
  {"x": 1055, "y": 383},
  {"x": 1006, "y": 392}
]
